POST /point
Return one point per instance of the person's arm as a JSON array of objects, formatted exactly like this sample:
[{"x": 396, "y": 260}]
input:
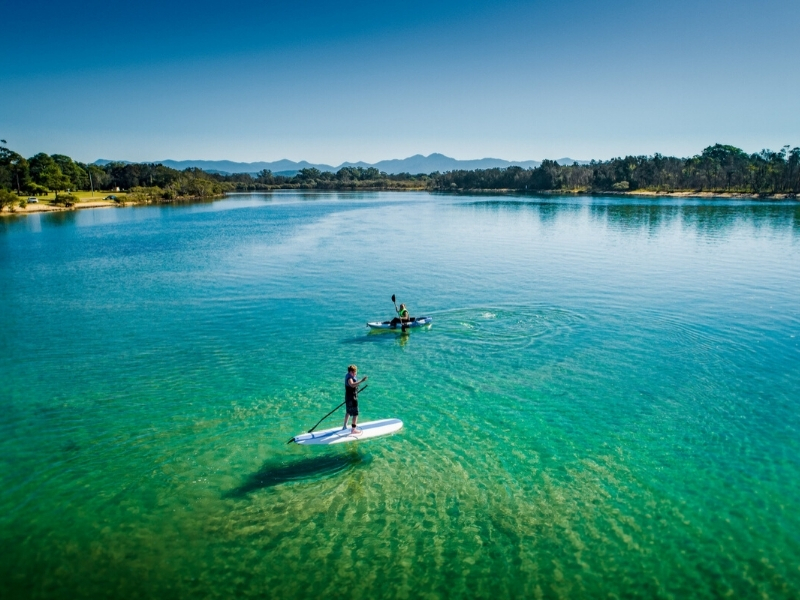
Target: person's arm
[{"x": 363, "y": 379}]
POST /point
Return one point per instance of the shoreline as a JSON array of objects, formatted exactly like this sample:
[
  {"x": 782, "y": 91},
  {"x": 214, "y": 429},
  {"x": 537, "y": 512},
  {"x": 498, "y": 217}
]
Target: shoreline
[
  {"x": 35, "y": 208},
  {"x": 46, "y": 207},
  {"x": 636, "y": 193}
]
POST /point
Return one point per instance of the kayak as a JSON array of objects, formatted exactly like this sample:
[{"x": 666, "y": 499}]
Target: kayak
[
  {"x": 413, "y": 322},
  {"x": 337, "y": 435}
]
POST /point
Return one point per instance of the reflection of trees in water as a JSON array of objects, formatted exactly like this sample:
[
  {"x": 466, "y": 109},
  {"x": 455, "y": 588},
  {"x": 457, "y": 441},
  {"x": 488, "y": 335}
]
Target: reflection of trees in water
[
  {"x": 636, "y": 216},
  {"x": 66, "y": 217},
  {"x": 705, "y": 218},
  {"x": 709, "y": 217},
  {"x": 547, "y": 210},
  {"x": 715, "y": 218}
]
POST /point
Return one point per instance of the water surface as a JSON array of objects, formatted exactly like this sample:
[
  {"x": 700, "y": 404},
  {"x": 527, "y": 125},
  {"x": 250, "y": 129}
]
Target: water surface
[{"x": 606, "y": 405}]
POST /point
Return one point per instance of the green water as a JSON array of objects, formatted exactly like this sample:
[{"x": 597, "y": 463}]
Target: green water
[{"x": 607, "y": 404}]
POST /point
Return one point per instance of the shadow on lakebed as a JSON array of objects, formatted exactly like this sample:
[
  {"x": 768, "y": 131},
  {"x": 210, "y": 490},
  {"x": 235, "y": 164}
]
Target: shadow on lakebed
[
  {"x": 312, "y": 468},
  {"x": 383, "y": 336}
]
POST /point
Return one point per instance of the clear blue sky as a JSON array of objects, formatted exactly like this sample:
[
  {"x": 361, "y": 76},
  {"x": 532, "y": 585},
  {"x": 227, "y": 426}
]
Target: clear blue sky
[{"x": 335, "y": 81}]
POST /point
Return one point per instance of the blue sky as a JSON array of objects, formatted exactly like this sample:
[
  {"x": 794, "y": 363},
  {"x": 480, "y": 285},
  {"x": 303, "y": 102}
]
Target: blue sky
[{"x": 337, "y": 81}]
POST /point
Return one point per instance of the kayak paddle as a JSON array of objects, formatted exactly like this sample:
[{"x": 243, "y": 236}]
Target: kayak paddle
[{"x": 402, "y": 323}]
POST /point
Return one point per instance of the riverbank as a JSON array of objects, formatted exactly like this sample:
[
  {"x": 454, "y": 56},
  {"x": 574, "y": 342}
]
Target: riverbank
[
  {"x": 634, "y": 193},
  {"x": 85, "y": 201},
  {"x": 40, "y": 207},
  {"x": 703, "y": 195}
]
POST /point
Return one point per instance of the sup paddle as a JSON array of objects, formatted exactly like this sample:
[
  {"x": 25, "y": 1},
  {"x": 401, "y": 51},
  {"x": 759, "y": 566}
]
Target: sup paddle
[{"x": 291, "y": 439}]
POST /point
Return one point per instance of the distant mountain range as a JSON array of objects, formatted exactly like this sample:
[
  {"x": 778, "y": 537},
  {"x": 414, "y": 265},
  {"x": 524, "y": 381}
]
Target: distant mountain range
[{"x": 413, "y": 164}]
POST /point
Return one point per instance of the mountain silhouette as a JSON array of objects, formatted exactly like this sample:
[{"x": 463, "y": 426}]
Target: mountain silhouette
[{"x": 413, "y": 164}]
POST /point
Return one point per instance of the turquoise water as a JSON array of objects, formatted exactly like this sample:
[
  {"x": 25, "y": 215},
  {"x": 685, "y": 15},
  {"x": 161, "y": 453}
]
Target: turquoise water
[{"x": 606, "y": 405}]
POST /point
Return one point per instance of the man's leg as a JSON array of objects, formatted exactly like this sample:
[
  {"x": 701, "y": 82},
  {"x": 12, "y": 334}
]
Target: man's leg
[
  {"x": 346, "y": 416},
  {"x": 355, "y": 418}
]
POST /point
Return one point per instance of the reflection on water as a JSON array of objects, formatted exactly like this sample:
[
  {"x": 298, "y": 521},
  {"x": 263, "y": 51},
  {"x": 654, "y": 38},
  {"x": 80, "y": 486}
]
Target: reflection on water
[{"x": 709, "y": 216}]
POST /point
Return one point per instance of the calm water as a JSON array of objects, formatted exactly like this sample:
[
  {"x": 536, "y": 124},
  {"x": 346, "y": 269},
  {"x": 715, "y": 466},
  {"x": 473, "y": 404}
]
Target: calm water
[{"x": 607, "y": 404}]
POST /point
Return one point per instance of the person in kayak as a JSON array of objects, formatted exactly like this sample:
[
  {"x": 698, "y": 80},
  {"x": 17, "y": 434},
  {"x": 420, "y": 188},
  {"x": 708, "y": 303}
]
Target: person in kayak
[
  {"x": 351, "y": 384},
  {"x": 402, "y": 316}
]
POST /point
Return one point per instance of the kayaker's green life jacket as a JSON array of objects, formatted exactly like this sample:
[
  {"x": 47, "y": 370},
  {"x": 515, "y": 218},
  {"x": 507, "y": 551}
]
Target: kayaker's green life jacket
[{"x": 403, "y": 313}]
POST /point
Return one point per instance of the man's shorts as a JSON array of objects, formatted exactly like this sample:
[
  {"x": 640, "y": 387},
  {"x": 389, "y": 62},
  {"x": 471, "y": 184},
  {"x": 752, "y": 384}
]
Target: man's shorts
[{"x": 351, "y": 406}]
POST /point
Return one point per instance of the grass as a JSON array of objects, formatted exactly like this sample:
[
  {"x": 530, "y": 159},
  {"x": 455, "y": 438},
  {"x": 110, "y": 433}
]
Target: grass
[{"x": 83, "y": 196}]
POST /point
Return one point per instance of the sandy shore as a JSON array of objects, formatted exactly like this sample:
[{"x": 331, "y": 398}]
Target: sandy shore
[
  {"x": 707, "y": 195},
  {"x": 635, "y": 193},
  {"x": 40, "y": 207}
]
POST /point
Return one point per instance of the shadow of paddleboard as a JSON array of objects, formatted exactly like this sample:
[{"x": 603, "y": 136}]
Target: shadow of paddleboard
[{"x": 308, "y": 469}]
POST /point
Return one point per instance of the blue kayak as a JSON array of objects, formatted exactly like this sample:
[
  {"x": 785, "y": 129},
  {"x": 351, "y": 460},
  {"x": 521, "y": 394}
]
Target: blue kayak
[{"x": 412, "y": 322}]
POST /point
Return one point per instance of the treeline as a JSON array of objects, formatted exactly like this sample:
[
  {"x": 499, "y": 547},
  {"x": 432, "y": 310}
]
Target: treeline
[
  {"x": 717, "y": 169},
  {"x": 150, "y": 182},
  {"x": 347, "y": 178},
  {"x": 45, "y": 173}
]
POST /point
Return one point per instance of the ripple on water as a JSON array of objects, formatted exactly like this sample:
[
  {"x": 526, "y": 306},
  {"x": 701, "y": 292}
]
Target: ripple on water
[{"x": 504, "y": 328}]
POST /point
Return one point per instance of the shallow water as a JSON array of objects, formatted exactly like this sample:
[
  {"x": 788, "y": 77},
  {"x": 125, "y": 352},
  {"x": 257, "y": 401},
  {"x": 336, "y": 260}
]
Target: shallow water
[{"x": 606, "y": 404}]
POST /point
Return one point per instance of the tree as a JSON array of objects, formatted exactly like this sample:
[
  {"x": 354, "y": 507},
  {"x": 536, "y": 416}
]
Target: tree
[
  {"x": 47, "y": 173},
  {"x": 99, "y": 178},
  {"x": 265, "y": 176},
  {"x": 6, "y": 199},
  {"x": 308, "y": 175},
  {"x": 77, "y": 176},
  {"x": 13, "y": 170},
  {"x": 66, "y": 199}
]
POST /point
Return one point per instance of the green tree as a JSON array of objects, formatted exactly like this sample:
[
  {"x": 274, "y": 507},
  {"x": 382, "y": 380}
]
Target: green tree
[
  {"x": 265, "y": 176},
  {"x": 66, "y": 199},
  {"x": 52, "y": 178},
  {"x": 6, "y": 199},
  {"x": 37, "y": 165},
  {"x": 78, "y": 179},
  {"x": 308, "y": 175},
  {"x": 14, "y": 173},
  {"x": 99, "y": 178}
]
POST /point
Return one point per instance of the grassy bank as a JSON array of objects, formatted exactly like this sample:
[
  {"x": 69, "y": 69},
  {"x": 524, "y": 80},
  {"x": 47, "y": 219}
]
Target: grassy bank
[{"x": 86, "y": 199}]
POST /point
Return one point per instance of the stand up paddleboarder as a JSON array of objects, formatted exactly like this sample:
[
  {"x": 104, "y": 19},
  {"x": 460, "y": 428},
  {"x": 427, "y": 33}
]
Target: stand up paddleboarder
[{"x": 351, "y": 384}]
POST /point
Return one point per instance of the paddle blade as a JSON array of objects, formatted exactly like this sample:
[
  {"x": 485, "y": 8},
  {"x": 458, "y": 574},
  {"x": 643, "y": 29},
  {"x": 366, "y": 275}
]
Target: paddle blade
[{"x": 393, "y": 300}]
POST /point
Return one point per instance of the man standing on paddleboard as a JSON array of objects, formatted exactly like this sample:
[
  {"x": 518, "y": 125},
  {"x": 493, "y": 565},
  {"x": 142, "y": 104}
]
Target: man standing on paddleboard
[{"x": 351, "y": 384}]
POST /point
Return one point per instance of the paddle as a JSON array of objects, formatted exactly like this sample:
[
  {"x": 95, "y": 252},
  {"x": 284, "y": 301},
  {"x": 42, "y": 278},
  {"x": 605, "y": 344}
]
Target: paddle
[
  {"x": 326, "y": 416},
  {"x": 402, "y": 323}
]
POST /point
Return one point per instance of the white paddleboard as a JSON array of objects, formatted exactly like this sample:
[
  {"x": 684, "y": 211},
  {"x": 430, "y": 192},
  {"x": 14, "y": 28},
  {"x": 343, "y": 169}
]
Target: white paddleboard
[{"x": 337, "y": 435}]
